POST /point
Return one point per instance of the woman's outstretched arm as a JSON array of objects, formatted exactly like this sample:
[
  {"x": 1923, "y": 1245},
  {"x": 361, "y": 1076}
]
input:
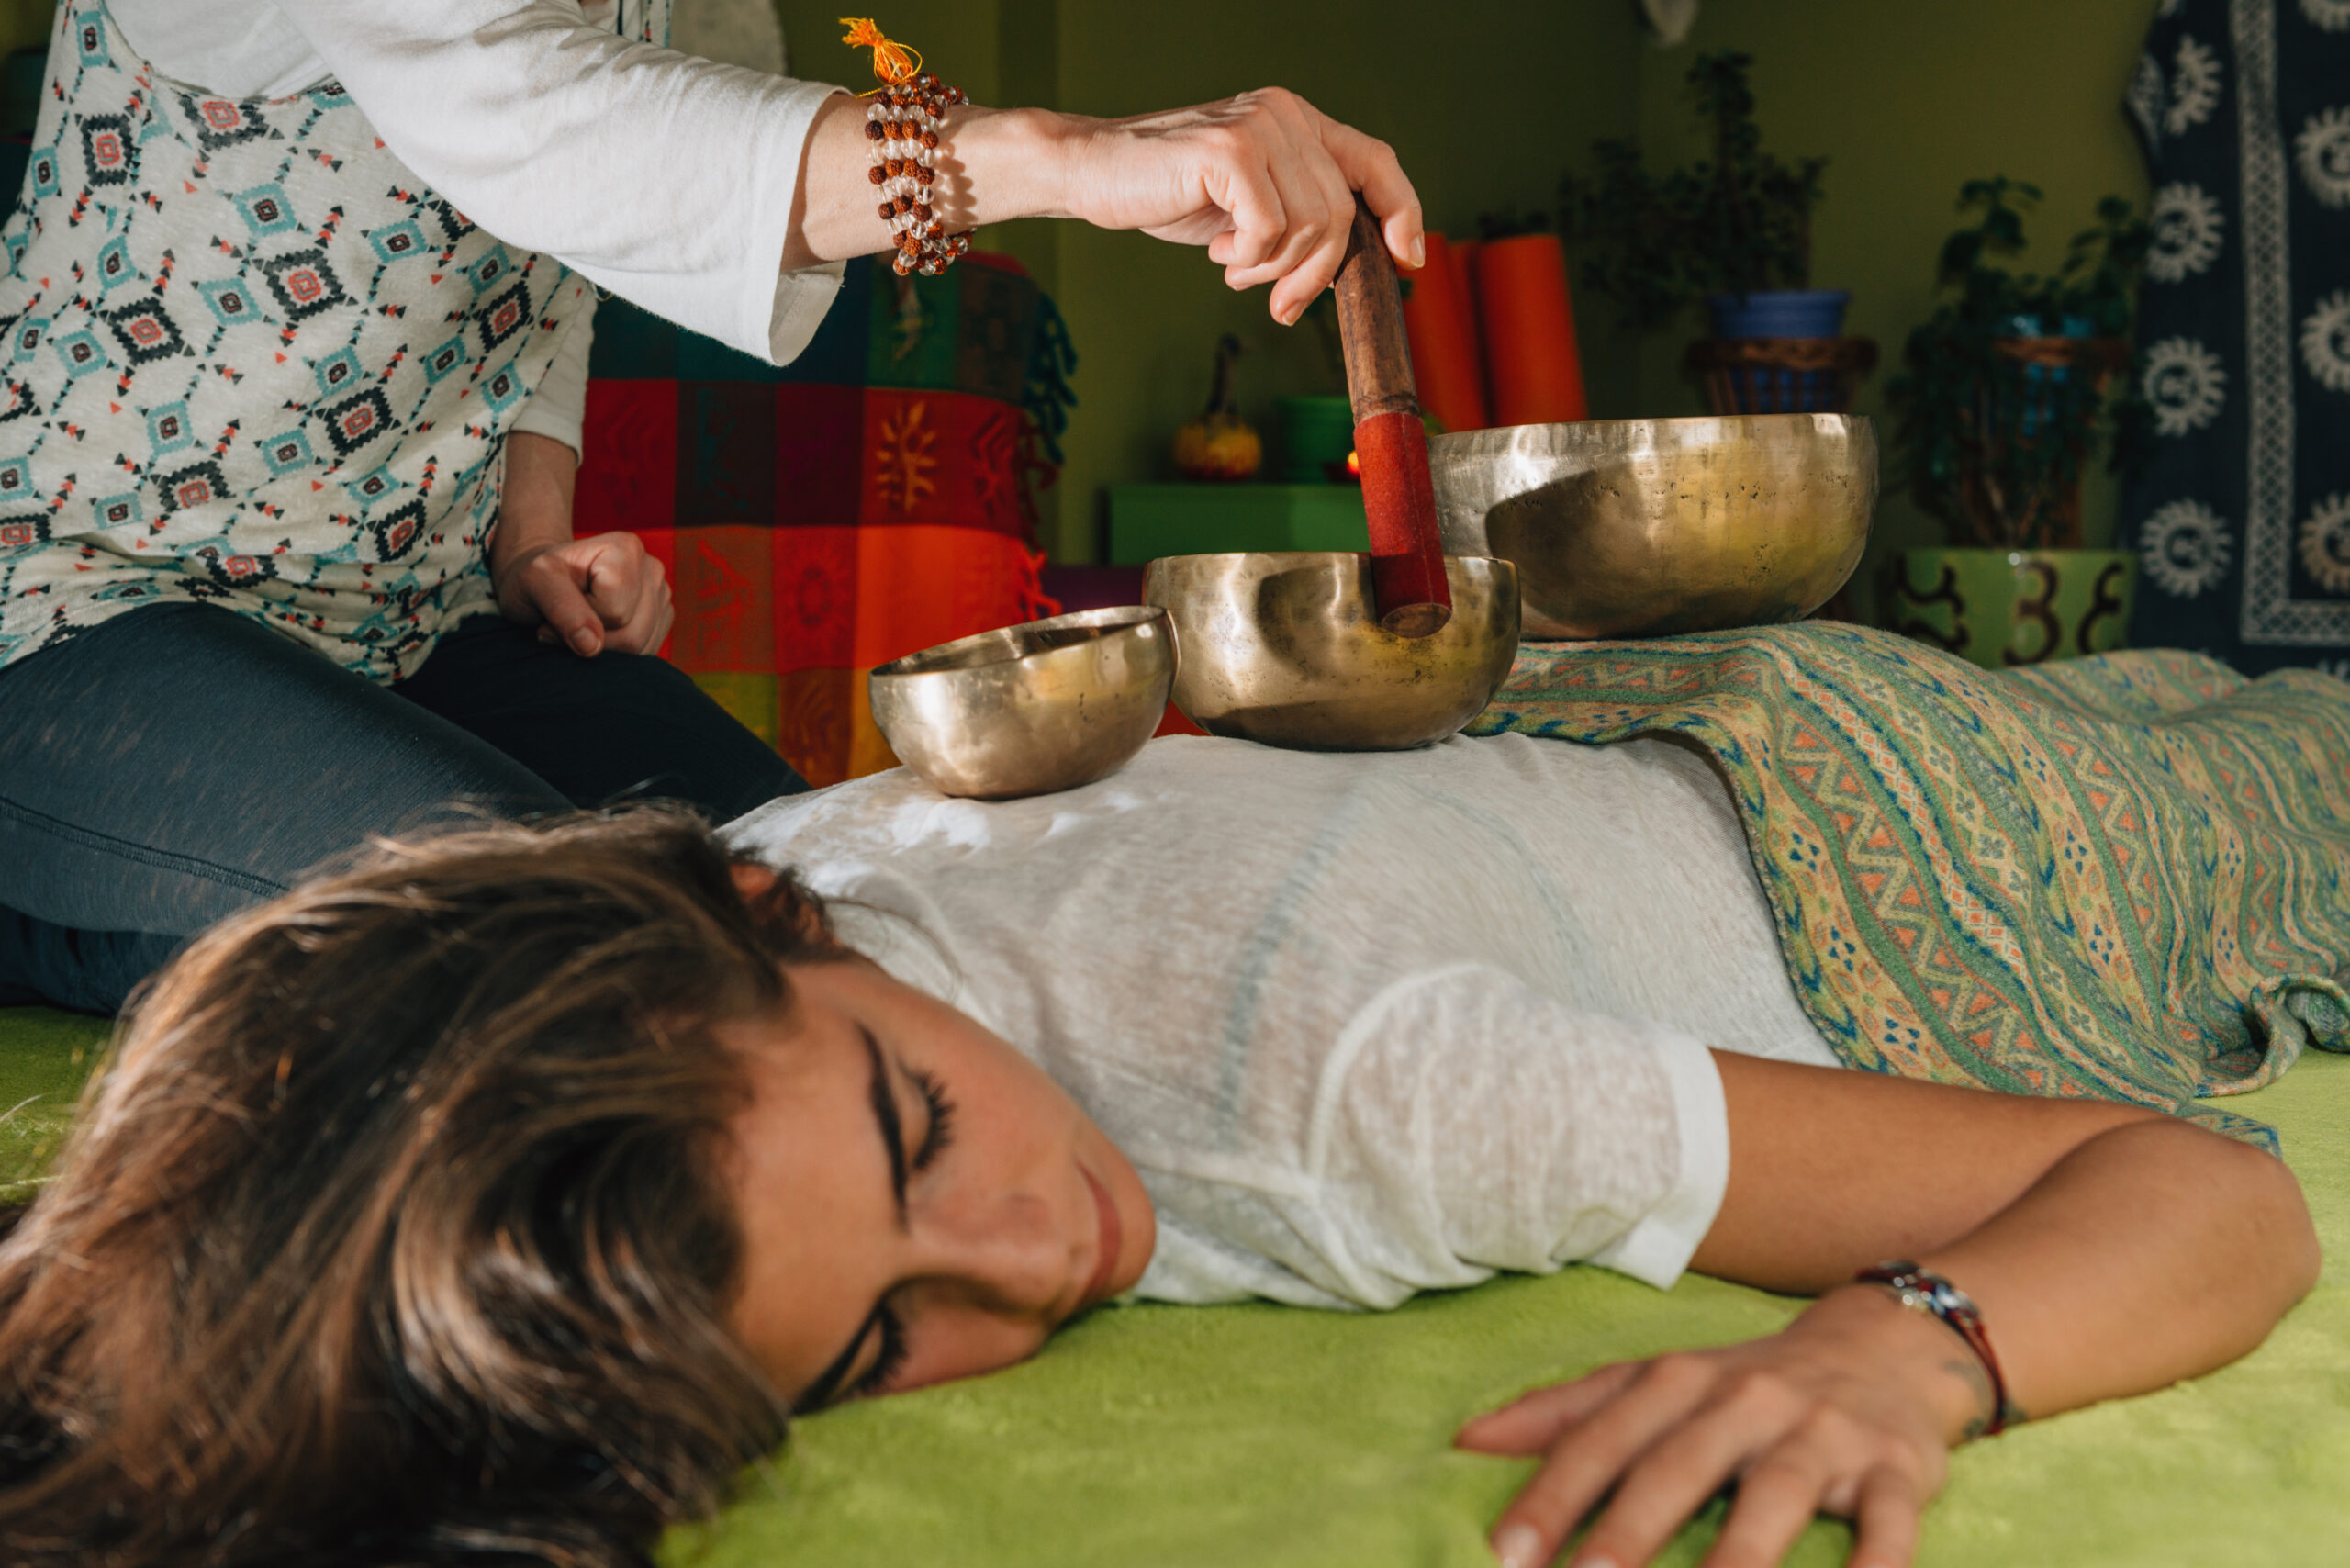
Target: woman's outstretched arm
[
  {"x": 2112, "y": 1249},
  {"x": 1264, "y": 180}
]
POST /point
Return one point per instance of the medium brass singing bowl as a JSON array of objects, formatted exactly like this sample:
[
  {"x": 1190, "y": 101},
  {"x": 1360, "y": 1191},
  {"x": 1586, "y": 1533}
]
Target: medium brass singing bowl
[
  {"x": 1285, "y": 648},
  {"x": 1032, "y": 709},
  {"x": 1647, "y": 528}
]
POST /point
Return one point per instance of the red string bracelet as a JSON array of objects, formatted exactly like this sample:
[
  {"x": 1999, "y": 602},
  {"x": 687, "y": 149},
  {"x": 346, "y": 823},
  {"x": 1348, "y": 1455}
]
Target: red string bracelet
[
  {"x": 1919, "y": 1289},
  {"x": 903, "y": 124}
]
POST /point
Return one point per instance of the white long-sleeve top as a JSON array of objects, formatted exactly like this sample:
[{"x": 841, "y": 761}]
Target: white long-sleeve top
[
  {"x": 1367, "y": 1023},
  {"x": 665, "y": 179}
]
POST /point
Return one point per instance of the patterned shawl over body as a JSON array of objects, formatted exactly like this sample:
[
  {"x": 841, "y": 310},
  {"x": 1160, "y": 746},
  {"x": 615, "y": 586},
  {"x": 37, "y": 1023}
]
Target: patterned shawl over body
[{"x": 2121, "y": 876}]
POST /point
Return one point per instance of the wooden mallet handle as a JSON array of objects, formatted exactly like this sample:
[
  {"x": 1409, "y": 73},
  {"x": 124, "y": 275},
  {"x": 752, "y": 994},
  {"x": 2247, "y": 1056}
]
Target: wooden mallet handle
[{"x": 1390, "y": 445}]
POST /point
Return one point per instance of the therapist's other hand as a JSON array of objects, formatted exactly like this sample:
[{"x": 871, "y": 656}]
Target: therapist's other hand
[
  {"x": 593, "y": 594},
  {"x": 1849, "y": 1411}
]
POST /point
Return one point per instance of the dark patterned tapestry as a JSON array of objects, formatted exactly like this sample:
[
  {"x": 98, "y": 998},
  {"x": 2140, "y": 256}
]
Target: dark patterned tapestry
[{"x": 2241, "y": 513}]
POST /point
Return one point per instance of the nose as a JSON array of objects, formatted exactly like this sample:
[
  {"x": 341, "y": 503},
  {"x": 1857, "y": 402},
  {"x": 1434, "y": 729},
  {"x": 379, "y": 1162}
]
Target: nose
[{"x": 1009, "y": 1253}]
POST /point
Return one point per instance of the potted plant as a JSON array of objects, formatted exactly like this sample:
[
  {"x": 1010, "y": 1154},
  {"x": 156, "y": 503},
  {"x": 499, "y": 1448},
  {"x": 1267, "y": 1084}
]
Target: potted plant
[
  {"x": 1734, "y": 231},
  {"x": 2006, "y": 393}
]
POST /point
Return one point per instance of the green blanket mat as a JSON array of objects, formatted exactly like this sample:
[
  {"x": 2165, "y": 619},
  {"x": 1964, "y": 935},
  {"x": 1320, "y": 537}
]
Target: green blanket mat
[
  {"x": 1271, "y": 1436},
  {"x": 2120, "y": 875}
]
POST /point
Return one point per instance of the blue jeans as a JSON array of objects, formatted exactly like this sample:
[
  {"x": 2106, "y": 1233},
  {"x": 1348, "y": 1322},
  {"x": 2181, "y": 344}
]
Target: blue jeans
[{"x": 178, "y": 763}]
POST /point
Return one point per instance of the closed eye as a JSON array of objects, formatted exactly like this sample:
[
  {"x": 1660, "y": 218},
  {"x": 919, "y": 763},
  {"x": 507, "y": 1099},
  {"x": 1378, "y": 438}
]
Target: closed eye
[
  {"x": 940, "y": 1133},
  {"x": 889, "y": 1362}
]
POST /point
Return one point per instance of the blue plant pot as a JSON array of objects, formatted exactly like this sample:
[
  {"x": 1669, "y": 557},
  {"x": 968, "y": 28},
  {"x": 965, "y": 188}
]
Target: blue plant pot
[{"x": 1780, "y": 313}]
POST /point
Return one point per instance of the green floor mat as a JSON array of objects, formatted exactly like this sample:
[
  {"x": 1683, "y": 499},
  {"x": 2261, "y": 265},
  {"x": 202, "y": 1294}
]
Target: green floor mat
[
  {"x": 1264, "y": 1434},
  {"x": 44, "y": 1057}
]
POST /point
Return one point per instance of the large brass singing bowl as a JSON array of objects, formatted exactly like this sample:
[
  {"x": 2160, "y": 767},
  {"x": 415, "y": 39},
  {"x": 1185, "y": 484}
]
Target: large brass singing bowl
[
  {"x": 1030, "y": 709},
  {"x": 1285, "y": 648},
  {"x": 1642, "y": 528}
]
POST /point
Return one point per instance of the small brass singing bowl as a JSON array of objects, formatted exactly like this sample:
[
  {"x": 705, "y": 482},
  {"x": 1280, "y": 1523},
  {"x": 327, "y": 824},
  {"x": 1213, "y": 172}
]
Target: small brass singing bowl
[
  {"x": 1652, "y": 528},
  {"x": 1030, "y": 709},
  {"x": 1286, "y": 648}
]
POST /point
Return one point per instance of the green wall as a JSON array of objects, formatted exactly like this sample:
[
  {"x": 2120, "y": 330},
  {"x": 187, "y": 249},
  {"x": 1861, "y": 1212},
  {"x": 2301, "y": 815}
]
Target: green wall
[{"x": 1907, "y": 101}]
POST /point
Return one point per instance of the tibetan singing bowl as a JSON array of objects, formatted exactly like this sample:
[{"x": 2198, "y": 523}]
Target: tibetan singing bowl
[
  {"x": 1030, "y": 709},
  {"x": 1285, "y": 648},
  {"x": 1646, "y": 528}
]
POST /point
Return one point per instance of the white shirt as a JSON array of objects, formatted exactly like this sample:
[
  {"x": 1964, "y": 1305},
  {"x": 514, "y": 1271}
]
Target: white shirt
[
  {"x": 666, "y": 179},
  {"x": 1367, "y": 1024}
]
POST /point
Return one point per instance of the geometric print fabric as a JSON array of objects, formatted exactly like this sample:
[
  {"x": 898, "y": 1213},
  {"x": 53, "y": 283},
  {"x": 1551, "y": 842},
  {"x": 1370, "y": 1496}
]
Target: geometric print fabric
[
  {"x": 246, "y": 358},
  {"x": 821, "y": 518},
  {"x": 2125, "y": 877}
]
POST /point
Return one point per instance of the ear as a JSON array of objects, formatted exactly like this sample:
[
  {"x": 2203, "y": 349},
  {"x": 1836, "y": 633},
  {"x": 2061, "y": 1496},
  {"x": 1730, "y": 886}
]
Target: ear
[{"x": 751, "y": 881}]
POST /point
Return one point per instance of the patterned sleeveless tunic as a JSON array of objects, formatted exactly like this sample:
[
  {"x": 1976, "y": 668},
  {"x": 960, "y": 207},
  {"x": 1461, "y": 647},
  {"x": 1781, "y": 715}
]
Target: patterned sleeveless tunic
[{"x": 247, "y": 359}]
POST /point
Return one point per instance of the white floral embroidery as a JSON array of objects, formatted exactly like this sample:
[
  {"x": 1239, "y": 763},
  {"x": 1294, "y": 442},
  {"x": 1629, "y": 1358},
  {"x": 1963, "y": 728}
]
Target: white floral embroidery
[
  {"x": 2194, "y": 86},
  {"x": 2170, "y": 8},
  {"x": 2333, "y": 16},
  {"x": 2325, "y": 341},
  {"x": 2146, "y": 95},
  {"x": 2325, "y": 544},
  {"x": 2322, "y": 149},
  {"x": 2186, "y": 384},
  {"x": 2184, "y": 548},
  {"x": 2188, "y": 225}
]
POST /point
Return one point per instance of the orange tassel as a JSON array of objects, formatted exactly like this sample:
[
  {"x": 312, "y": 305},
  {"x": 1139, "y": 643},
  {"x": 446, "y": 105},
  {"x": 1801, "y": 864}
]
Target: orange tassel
[{"x": 892, "y": 63}]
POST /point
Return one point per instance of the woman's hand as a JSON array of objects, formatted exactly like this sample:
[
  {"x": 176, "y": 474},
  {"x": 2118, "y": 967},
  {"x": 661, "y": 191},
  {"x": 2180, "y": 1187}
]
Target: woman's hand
[
  {"x": 589, "y": 594},
  {"x": 1265, "y": 180},
  {"x": 1849, "y": 1411}
]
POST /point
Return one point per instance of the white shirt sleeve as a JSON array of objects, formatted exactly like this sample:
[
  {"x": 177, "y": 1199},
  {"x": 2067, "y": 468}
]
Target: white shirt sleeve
[
  {"x": 558, "y": 406},
  {"x": 666, "y": 179},
  {"x": 1468, "y": 1119}
]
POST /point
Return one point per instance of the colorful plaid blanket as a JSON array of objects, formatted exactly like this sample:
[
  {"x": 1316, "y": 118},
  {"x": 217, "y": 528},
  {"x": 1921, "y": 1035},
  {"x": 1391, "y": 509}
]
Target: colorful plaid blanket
[{"x": 2120, "y": 876}]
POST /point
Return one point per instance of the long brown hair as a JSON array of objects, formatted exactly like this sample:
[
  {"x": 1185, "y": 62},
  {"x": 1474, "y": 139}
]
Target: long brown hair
[{"x": 394, "y": 1232}]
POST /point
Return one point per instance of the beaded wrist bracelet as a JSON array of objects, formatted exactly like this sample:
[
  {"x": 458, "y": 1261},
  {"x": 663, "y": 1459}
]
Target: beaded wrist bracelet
[
  {"x": 903, "y": 124},
  {"x": 1919, "y": 1289}
]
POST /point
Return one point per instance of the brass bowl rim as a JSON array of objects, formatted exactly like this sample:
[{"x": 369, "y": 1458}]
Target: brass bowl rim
[
  {"x": 1003, "y": 645},
  {"x": 1597, "y": 428}
]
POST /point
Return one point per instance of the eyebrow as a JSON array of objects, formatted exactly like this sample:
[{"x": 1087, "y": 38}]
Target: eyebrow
[
  {"x": 885, "y": 1112},
  {"x": 820, "y": 1393}
]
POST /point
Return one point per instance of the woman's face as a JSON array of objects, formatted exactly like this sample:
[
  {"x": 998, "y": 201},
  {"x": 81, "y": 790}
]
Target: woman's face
[{"x": 918, "y": 1201}]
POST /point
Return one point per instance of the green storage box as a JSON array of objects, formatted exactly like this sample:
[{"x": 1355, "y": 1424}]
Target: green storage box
[{"x": 1151, "y": 520}]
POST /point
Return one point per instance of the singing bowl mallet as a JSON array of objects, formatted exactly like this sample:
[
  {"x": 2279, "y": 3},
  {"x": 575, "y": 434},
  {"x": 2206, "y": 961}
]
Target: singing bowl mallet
[{"x": 1391, "y": 443}]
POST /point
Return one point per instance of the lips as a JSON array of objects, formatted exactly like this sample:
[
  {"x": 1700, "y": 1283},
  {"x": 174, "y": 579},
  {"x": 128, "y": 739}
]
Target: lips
[{"x": 1111, "y": 1239}]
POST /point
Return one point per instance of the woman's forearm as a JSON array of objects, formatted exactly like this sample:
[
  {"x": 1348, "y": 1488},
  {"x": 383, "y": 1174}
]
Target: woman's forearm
[
  {"x": 2153, "y": 1252},
  {"x": 1263, "y": 180}
]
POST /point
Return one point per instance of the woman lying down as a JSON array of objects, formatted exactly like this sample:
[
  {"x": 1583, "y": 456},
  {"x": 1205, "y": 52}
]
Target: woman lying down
[{"x": 498, "y": 1201}]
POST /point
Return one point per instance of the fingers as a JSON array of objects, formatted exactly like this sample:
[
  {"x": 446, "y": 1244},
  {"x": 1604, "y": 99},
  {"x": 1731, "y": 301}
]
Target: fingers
[
  {"x": 627, "y": 591},
  {"x": 1671, "y": 1480},
  {"x": 1370, "y": 166},
  {"x": 1887, "y": 1519},
  {"x": 1582, "y": 1466},
  {"x": 1242, "y": 184},
  {"x": 552, "y": 584},
  {"x": 1533, "y": 1422}
]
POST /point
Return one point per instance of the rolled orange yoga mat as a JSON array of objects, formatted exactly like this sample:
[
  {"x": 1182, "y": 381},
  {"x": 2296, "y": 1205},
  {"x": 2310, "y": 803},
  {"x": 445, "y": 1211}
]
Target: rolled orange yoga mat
[
  {"x": 1531, "y": 364},
  {"x": 1445, "y": 362}
]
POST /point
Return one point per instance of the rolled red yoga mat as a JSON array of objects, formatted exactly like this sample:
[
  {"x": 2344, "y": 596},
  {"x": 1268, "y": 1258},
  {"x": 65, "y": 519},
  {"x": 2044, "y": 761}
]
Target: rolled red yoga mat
[
  {"x": 1531, "y": 366},
  {"x": 1408, "y": 586},
  {"x": 1446, "y": 366}
]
